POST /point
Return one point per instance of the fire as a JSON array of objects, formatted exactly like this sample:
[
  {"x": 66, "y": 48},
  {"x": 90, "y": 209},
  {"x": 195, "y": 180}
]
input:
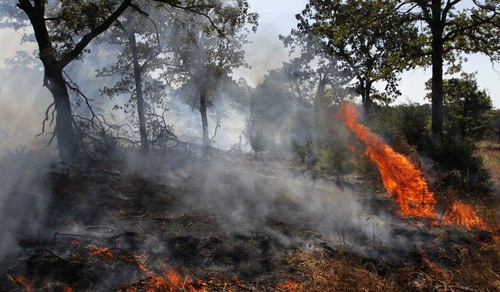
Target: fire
[
  {"x": 102, "y": 252},
  {"x": 288, "y": 286},
  {"x": 399, "y": 176},
  {"x": 403, "y": 179},
  {"x": 172, "y": 281},
  {"x": 22, "y": 280},
  {"x": 465, "y": 215}
]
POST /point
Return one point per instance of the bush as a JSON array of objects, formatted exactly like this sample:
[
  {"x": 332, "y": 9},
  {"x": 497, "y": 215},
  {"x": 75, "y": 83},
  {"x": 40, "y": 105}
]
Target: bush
[
  {"x": 336, "y": 160},
  {"x": 304, "y": 151}
]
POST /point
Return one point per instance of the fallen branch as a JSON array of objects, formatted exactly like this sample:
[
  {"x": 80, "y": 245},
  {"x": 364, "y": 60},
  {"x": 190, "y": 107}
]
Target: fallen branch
[
  {"x": 61, "y": 258},
  {"x": 130, "y": 217},
  {"x": 66, "y": 234}
]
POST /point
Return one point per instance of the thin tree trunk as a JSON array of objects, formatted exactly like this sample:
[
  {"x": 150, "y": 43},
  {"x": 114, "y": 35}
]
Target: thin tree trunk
[
  {"x": 139, "y": 94},
  {"x": 366, "y": 100},
  {"x": 204, "y": 120},
  {"x": 321, "y": 111}
]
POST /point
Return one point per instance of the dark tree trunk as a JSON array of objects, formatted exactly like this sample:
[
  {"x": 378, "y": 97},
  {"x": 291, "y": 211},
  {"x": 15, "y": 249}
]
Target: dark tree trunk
[
  {"x": 437, "y": 86},
  {"x": 203, "y": 112},
  {"x": 66, "y": 142},
  {"x": 139, "y": 94},
  {"x": 321, "y": 111},
  {"x": 53, "y": 78},
  {"x": 366, "y": 99},
  {"x": 437, "y": 28}
]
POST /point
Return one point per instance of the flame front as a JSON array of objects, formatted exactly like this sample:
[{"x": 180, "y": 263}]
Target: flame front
[
  {"x": 404, "y": 180},
  {"x": 465, "y": 215},
  {"x": 399, "y": 176}
]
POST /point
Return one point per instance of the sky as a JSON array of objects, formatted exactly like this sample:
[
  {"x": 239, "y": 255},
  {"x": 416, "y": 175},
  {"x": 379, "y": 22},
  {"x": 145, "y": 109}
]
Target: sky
[
  {"x": 278, "y": 17},
  {"x": 267, "y": 52}
]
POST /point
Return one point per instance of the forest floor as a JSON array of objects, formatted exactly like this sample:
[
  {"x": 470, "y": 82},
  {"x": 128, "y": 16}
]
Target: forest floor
[{"x": 230, "y": 222}]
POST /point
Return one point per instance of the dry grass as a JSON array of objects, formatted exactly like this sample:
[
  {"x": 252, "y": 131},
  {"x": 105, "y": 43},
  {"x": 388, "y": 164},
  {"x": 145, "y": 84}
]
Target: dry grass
[
  {"x": 469, "y": 266},
  {"x": 327, "y": 272},
  {"x": 477, "y": 269},
  {"x": 489, "y": 151}
]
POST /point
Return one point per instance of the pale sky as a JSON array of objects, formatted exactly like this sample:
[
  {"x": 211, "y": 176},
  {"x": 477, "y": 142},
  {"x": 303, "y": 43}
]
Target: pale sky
[
  {"x": 278, "y": 17},
  {"x": 267, "y": 52}
]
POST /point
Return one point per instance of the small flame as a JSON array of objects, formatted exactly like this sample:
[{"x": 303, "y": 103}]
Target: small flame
[
  {"x": 288, "y": 286},
  {"x": 173, "y": 282},
  {"x": 22, "y": 280},
  {"x": 465, "y": 215},
  {"x": 403, "y": 179},
  {"x": 102, "y": 252}
]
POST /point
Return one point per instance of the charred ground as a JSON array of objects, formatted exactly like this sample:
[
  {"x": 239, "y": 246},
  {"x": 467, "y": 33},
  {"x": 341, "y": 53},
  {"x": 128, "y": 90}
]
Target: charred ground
[{"x": 227, "y": 222}]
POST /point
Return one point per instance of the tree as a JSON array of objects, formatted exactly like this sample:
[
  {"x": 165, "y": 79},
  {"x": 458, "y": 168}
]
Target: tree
[
  {"x": 272, "y": 109},
  {"x": 205, "y": 58},
  {"x": 139, "y": 37},
  {"x": 465, "y": 107},
  {"x": 452, "y": 30},
  {"x": 63, "y": 30},
  {"x": 365, "y": 36}
]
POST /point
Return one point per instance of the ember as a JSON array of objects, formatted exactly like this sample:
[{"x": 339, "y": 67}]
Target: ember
[
  {"x": 403, "y": 179},
  {"x": 102, "y": 252},
  {"x": 21, "y": 280}
]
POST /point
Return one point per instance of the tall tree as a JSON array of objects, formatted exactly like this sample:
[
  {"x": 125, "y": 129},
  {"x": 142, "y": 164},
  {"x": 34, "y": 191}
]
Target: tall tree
[
  {"x": 138, "y": 35},
  {"x": 365, "y": 36},
  {"x": 206, "y": 58},
  {"x": 465, "y": 107},
  {"x": 454, "y": 27},
  {"x": 63, "y": 30}
]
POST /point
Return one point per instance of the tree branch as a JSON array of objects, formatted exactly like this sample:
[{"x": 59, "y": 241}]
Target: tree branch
[{"x": 78, "y": 49}]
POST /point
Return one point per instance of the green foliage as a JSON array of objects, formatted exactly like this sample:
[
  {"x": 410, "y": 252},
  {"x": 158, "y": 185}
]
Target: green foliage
[
  {"x": 303, "y": 151},
  {"x": 255, "y": 136},
  {"x": 461, "y": 169},
  {"x": 336, "y": 160},
  {"x": 368, "y": 38},
  {"x": 466, "y": 108}
]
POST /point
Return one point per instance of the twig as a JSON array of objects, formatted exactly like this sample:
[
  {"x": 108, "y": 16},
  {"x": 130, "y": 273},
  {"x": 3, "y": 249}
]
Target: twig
[
  {"x": 127, "y": 253},
  {"x": 99, "y": 227},
  {"x": 130, "y": 217},
  {"x": 66, "y": 234},
  {"x": 218, "y": 285},
  {"x": 61, "y": 258}
]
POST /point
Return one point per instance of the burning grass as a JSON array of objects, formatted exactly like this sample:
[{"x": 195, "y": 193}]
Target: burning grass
[{"x": 216, "y": 227}]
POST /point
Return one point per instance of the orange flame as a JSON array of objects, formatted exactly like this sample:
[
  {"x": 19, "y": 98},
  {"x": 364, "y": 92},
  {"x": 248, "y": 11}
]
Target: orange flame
[
  {"x": 288, "y": 286},
  {"x": 465, "y": 215},
  {"x": 399, "y": 176},
  {"x": 403, "y": 179},
  {"x": 173, "y": 282},
  {"x": 102, "y": 252},
  {"x": 22, "y": 280}
]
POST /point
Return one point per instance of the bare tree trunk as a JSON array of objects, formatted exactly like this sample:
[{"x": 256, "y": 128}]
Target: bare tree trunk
[
  {"x": 139, "y": 94},
  {"x": 437, "y": 69},
  {"x": 366, "y": 99},
  {"x": 66, "y": 141},
  {"x": 437, "y": 89},
  {"x": 321, "y": 111},
  {"x": 204, "y": 120}
]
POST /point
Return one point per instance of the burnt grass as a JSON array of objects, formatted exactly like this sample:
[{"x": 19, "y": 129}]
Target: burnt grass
[{"x": 111, "y": 227}]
